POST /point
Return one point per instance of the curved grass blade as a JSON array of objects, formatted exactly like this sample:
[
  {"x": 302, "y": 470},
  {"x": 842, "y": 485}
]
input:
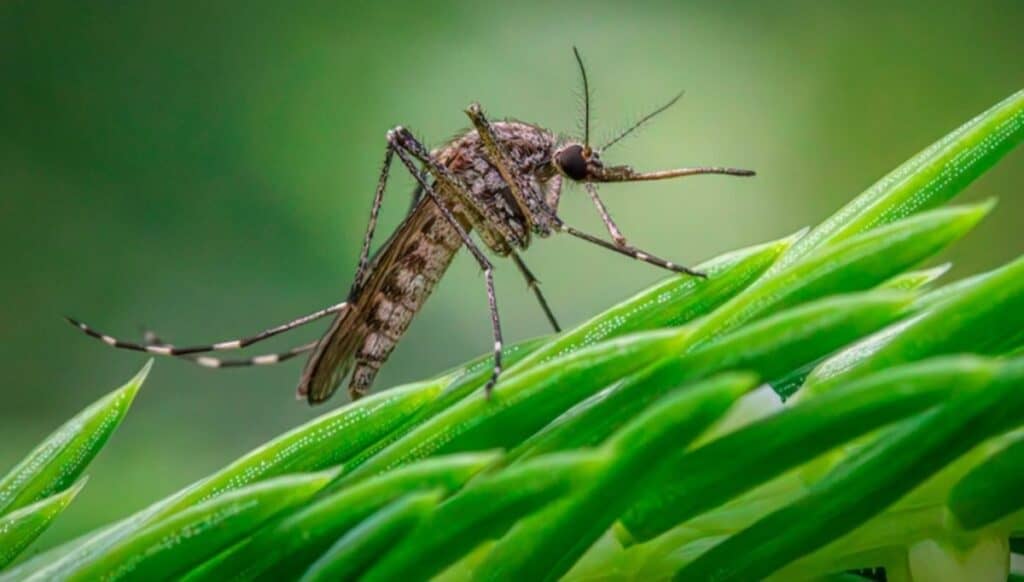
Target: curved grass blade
[
  {"x": 770, "y": 347},
  {"x": 868, "y": 482},
  {"x": 58, "y": 461},
  {"x": 287, "y": 546},
  {"x": 912, "y": 280},
  {"x": 672, "y": 302},
  {"x": 982, "y": 318},
  {"x": 356, "y": 551},
  {"x": 737, "y": 462},
  {"x": 316, "y": 445},
  {"x": 20, "y": 528},
  {"x": 545, "y": 546},
  {"x": 927, "y": 180},
  {"x": 525, "y": 402},
  {"x": 171, "y": 547},
  {"x": 991, "y": 490},
  {"x": 485, "y": 510}
]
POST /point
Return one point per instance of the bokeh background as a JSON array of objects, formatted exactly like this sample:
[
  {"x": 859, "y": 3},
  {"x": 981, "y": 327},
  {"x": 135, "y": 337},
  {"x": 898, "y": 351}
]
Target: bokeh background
[{"x": 205, "y": 169}]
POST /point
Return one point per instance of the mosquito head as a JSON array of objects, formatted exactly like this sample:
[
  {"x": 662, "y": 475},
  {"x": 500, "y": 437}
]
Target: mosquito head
[{"x": 577, "y": 162}]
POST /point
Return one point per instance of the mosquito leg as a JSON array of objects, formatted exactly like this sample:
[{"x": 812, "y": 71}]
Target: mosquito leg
[
  {"x": 630, "y": 251},
  {"x": 378, "y": 199},
  {"x": 481, "y": 259},
  {"x": 169, "y": 350},
  {"x": 498, "y": 159},
  {"x": 491, "y": 222},
  {"x": 553, "y": 193},
  {"x": 152, "y": 339},
  {"x": 606, "y": 218},
  {"x": 534, "y": 285}
]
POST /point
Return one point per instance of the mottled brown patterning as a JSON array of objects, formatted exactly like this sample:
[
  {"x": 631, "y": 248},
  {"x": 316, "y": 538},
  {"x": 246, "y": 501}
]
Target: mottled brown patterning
[{"x": 501, "y": 180}]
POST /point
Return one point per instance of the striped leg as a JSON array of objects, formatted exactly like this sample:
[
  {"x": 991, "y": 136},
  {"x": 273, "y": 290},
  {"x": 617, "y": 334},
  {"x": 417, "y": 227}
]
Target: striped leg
[
  {"x": 169, "y": 350},
  {"x": 407, "y": 159},
  {"x": 606, "y": 218},
  {"x": 260, "y": 360},
  {"x": 378, "y": 199},
  {"x": 629, "y": 251}
]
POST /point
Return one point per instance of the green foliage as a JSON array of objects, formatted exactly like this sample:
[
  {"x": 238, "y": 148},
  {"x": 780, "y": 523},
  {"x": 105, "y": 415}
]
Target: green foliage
[{"x": 636, "y": 446}]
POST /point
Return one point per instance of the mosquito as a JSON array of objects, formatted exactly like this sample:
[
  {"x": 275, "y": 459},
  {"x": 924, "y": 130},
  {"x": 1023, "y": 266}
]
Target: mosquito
[{"x": 502, "y": 179}]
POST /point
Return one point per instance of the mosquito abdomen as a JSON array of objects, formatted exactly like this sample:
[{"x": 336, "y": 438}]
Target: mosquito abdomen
[{"x": 399, "y": 291}]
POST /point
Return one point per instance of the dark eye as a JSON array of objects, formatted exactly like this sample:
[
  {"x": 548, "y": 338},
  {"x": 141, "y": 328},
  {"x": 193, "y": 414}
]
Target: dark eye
[{"x": 572, "y": 162}]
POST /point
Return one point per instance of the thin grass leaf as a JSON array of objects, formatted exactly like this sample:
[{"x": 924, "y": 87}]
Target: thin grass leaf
[
  {"x": 21, "y": 527},
  {"x": 287, "y": 546},
  {"x": 673, "y": 302},
  {"x": 523, "y": 403},
  {"x": 169, "y": 548},
  {"x": 485, "y": 510},
  {"x": 740, "y": 461},
  {"x": 927, "y": 180},
  {"x": 868, "y": 482},
  {"x": 771, "y": 347},
  {"x": 912, "y": 280},
  {"x": 991, "y": 490},
  {"x": 58, "y": 461},
  {"x": 986, "y": 315},
  {"x": 545, "y": 545},
  {"x": 356, "y": 551}
]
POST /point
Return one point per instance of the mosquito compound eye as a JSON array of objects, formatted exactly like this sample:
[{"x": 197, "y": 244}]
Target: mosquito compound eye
[{"x": 571, "y": 161}]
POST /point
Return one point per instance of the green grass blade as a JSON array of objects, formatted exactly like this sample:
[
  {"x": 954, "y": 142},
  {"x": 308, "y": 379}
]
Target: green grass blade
[
  {"x": 991, "y": 490},
  {"x": 324, "y": 442},
  {"x": 912, "y": 280},
  {"x": 927, "y": 180},
  {"x": 525, "y": 402},
  {"x": 868, "y": 482},
  {"x": 285, "y": 547},
  {"x": 58, "y": 461},
  {"x": 545, "y": 545},
  {"x": 20, "y": 528},
  {"x": 981, "y": 319},
  {"x": 171, "y": 547},
  {"x": 768, "y": 348},
  {"x": 737, "y": 462},
  {"x": 485, "y": 510},
  {"x": 356, "y": 551},
  {"x": 672, "y": 302}
]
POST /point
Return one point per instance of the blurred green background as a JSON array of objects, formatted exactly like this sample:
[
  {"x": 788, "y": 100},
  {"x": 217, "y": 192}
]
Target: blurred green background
[{"x": 206, "y": 169}]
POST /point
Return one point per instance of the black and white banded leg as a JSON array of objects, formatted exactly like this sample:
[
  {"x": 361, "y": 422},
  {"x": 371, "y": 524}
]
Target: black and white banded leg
[
  {"x": 629, "y": 251},
  {"x": 236, "y": 344},
  {"x": 407, "y": 159},
  {"x": 151, "y": 339},
  {"x": 606, "y": 218}
]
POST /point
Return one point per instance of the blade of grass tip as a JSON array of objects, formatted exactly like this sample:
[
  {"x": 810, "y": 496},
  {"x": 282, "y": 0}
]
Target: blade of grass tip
[
  {"x": 284, "y": 548},
  {"x": 978, "y": 320},
  {"x": 322, "y": 442},
  {"x": 524, "y": 403},
  {"x": 768, "y": 348},
  {"x": 60, "y": 459},
  {"x": 545, "y": 546},
  {"x": 991, "y": 490},
  {"x": 672, "y": 302},
  {"x": 485, "y": 510},
  {"x": 356, "y": 551},
  {"x": 171, "y": 547},
  {"x": 725, "y": 468},
  {"x": 927, "y": 180},
  {"x": 854, "y": 264},
  {"x": 21, "y": 527},
  {"x": 912, "y": 280},
  {"x": 868, "y": 482},
  {"x": 787, "y": 385}
]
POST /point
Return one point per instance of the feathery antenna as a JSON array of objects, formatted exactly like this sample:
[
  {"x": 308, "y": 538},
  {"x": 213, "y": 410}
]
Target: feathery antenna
[
  {"x": 586, "y": 99},
  {"x": 642, "y": 121}
]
